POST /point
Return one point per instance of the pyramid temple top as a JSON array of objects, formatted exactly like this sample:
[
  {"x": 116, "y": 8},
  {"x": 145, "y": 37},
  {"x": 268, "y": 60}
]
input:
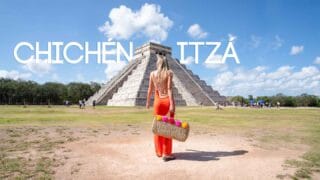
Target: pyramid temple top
[{"x": 151, "y": 47}]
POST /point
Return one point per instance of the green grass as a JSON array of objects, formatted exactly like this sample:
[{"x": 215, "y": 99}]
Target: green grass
[
  {"x": 229, "y": 117},
  {"x": 25, "y": 170},
  {"x": 271, "y": 127}
]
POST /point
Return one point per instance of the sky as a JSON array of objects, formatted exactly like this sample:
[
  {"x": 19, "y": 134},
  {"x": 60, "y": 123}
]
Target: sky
[{"x": 277, "y": 41}]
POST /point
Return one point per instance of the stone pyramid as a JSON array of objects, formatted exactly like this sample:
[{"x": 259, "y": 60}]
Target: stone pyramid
[{"x": 129, "y": 87}]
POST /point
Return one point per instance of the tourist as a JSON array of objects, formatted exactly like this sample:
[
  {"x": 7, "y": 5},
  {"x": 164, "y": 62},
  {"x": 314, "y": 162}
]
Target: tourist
[
  {"x": 94, "y": 104},
  {"x": 218, "y": 107},
  {"x": 278, "y": 104},
  {"x": 161, "y": 82},
  {"x": 80, "y": 104},
  {"x": 83, "y": 103}
]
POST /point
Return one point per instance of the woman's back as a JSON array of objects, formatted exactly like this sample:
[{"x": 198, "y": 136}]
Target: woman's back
[{"x": 161, "y": 83}]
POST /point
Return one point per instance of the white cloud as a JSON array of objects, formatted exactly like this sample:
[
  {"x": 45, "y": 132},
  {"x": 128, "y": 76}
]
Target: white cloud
[
  {"x": 38, "y": 68},
  {"x": 113, "y": 68},
  {"x": 196, "y": 32},
  {"x": 217, "y": 66},
  {"x": 258, "y": 81},
  {"x": 147, "y": 21},
  {"x": 317, "y": 60},
  {"x": 13, "y": 74},
  {"x": 188, "y": 60},
  {"x": 260, "y": 68},
  {"x": 232, "y": 37},
  {"x": 306, "y": 72},
  {"x": 278, "y": 42},
  {"x": 296, "y": 50},
  {"x": 283, "y": 71}
]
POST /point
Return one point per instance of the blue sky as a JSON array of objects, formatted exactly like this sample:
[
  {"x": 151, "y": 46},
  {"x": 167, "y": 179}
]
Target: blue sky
[{"x": 277, "y": 42}]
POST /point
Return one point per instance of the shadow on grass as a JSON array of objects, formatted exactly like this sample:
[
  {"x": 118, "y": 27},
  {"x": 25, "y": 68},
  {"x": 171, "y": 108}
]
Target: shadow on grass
[{"x": 195, "y": 155}]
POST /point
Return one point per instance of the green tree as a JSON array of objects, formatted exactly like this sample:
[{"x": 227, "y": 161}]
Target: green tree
[
  {"x": 289, "y": 101},
  {"x": 79, "y": 91},
  {"x": 239, "y": 99},
  {"x": 30, "y": 92}
]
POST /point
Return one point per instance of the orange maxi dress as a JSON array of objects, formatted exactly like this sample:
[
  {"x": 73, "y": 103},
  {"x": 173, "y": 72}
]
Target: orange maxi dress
[{"x": 161, "y": 107}]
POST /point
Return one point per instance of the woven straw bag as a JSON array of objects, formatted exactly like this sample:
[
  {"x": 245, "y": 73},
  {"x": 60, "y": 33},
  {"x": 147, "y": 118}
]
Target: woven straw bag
[{"x": 169, "y": 130}]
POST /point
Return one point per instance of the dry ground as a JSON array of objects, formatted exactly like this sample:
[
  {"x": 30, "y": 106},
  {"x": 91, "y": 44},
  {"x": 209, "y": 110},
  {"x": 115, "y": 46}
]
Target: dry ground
[
  {"x": 117, "y": 143},
  {"x": 128, "y": 152}
]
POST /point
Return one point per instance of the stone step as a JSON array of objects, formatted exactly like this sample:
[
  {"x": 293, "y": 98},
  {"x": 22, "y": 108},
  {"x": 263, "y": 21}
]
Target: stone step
[
  {"x": 142, "y": 102},
  {"x": 129, "y": 87},
  {"x": 176, "y": 95},
  {"x": 190, "y": 83},
  {"x": 127, "y": 93},
  {"x": 208, "y": 89},
  {"x": 141, "y": 93},
  {"x": 114, "y": 83}
]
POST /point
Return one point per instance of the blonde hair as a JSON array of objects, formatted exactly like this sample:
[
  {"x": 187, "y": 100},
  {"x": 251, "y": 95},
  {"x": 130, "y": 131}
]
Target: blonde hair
[{"x": 162, "y": 68}]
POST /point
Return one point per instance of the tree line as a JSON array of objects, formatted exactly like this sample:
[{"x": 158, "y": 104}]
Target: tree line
[
  {"x": 30, "y": 92},
  {"x": 289, "y": 101}
]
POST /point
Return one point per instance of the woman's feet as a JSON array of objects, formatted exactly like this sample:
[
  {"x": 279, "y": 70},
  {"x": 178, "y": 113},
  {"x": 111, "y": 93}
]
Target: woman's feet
[{"x": 168, "y": 158}]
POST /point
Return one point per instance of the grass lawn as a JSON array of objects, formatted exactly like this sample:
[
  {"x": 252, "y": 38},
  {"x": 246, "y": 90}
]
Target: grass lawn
[{"x": 273, "y": 128}]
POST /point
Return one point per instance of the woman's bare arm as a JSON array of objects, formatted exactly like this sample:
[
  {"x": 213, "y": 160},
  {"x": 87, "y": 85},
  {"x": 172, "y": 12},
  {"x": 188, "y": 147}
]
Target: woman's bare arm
[
  {"x": 150, "y": 89},
  {"x": 171, "y": 98}
]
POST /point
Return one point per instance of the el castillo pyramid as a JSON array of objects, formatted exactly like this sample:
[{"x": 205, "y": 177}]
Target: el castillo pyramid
[{"x": 129, "y": 87}]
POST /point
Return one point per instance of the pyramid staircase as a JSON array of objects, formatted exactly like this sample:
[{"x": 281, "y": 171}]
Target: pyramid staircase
[
  {"x": 112, "y": 86},
  {"x": 129, "y": 87},
  {"x": 208, "y": 89}
]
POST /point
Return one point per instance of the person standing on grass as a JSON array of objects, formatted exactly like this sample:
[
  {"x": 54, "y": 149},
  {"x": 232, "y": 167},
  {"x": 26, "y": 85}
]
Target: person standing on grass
[
  {"x": 80, "y": 104},
  {"x": 161, "y": 82},
  {"x": 94, "y": 104},
  {"x": 84, "y": 103}
]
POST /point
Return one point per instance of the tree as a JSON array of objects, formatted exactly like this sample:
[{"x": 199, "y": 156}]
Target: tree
[
  {"x": 307, "y": 100},
  {"x": 30, "y": 92},
  {"x": 54, "y": 92},
  {"x": 239, "y": 99},
  {"x": 290, "y": 101},
  {"x": 95, "y": 86},
  {"x": 79, "y": 91}
]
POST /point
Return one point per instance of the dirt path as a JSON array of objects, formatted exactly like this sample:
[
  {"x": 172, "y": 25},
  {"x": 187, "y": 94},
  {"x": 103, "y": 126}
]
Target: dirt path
[{"x": 130, "y": 154}]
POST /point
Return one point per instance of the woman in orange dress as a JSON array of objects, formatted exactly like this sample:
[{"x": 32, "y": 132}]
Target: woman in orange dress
[{"x": 161, "y": 82}]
